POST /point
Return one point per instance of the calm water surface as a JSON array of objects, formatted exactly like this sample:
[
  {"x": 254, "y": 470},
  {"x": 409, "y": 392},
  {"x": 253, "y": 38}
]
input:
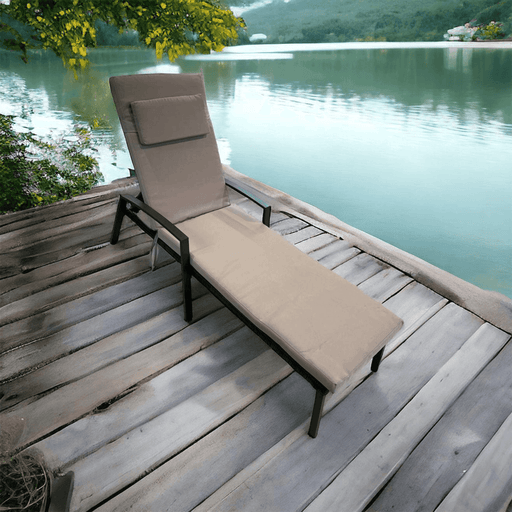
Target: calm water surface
[{"x": 411, "y": 145}]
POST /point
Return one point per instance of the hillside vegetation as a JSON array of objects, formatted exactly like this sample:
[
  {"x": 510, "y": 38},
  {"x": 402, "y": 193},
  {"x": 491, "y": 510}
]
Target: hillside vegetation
[{"x": 301, "y": 21}]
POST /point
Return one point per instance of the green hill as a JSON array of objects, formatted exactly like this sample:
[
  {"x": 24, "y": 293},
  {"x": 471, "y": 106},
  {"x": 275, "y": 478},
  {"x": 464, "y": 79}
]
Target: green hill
[{"x": 313, "y": 21}]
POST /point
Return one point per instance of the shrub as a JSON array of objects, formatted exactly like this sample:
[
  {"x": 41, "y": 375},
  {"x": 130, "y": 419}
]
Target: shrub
[
  {"x": 492, "y": 31},
  {"x": 34, "y": 172}
]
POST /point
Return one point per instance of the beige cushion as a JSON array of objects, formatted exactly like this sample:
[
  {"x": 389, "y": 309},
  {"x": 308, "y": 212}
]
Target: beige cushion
[
  {"x": 179, "y": 179},
  {"x": 170, "y": 119},
  {"x": 324, "y": 322}
]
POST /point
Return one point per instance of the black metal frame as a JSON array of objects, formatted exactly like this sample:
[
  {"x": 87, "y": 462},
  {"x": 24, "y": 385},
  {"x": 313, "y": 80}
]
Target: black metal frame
[
  {"x": 61, "y": 492},
  {"x": 130, "y": 206},
  {"x": 267, "y": 210}
]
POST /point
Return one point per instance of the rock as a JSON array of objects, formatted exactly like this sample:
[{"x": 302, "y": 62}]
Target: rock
[
  {"x": 458, "y": 31},
  {"x": 462, "y": 33},
  {"x": 257, "y": 38}
]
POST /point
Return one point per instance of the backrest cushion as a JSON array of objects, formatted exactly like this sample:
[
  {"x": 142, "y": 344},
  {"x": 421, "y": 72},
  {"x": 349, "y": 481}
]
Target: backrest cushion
[{"x": 171, "y": 142}]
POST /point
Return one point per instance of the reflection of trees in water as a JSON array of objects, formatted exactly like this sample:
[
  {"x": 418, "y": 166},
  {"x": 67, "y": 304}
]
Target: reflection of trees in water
[
  {"x": 45, "y": 85},
  {"x": 219, "y": 77},
  {"x": 464, "y": 81},
  {"x": 471, "y": 84}
]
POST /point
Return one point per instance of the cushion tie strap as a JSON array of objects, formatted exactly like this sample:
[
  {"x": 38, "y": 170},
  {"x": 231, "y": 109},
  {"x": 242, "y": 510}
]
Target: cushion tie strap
[{"x": 154, "y": 251}]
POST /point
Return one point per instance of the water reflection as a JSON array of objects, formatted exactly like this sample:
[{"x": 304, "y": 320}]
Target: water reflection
[
  {"x": 410, "y": 145},
  {"x": 457, "y": 78}
]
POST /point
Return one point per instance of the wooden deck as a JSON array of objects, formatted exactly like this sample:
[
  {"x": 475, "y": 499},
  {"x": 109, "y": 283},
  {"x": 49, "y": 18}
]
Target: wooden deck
[{"x": 100, "y": 373}]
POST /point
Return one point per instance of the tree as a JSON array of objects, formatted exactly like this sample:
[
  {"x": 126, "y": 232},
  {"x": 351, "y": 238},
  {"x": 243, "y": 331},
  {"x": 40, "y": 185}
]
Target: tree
[{"x": 175, "y": 27}]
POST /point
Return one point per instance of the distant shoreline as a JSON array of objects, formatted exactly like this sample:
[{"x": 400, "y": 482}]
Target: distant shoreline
[{"x": 378, "y": 45}]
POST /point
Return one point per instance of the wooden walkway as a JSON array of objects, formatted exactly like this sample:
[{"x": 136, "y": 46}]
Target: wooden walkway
[{"x": 100, "y": 373}]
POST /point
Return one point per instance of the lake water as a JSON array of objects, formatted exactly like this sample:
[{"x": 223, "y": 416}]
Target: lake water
[{"x": 412, "y": 145}]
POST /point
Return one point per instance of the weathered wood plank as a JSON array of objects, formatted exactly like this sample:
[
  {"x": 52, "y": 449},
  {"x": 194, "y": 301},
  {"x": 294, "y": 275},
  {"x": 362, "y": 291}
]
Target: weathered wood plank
[
  {"x": 487, "y": 486},
  {"x": 43, "y": 351},
  {"x": 74, "y": 400},
  {"x": 59, "y": 317},
  {"x": 292, "y": 479},
  {"x": 116, "y": 465},
  {"x": 289, "y": 225},
  {"x": 360, "y": 481},
  {"x": 415, "y": 304},
  {"x": 413, "y": 323},
  {"x": 132, "y": 244},
  {"x": 339, "y": 257},
  {"x": 302, "y": 234},
  {"x": 51, "y": 216},
  {"x": 35, "y": 215},
  {"x": 15, "y": 240},
  {"x": 337, "y": 246},
  {"x": 42, "y": 243},
  {"x": 193, "y": 475},
  {"x": 59, "y": 247},
  {"x": 452, "y": 446},
  {"x": 64, "y": 208},
  {"x": 66, "y": 292},
  {"x": 102, "y": 353},
  {"x": 151, "y": 399},
  {"x": 359, "y": 268},
  {"x": 316, "y": 242},
  {"x": 385, "y": 283}
]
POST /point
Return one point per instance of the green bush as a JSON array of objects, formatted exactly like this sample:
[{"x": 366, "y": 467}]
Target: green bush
[
  {"x": 34, "y": 172},
  {"x": 492, "y": 31}
]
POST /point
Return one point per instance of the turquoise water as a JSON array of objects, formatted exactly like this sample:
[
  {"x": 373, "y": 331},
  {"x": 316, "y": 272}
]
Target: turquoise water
[{"x": 410, "y": 145}]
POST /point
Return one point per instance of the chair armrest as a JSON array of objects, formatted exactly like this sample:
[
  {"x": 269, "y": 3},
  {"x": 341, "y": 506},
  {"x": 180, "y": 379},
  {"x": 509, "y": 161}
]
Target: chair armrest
[
  {"x": 266, "y": 209},
  {"x": 165, "y": 223},
  {"x": 129, "y": 205}
]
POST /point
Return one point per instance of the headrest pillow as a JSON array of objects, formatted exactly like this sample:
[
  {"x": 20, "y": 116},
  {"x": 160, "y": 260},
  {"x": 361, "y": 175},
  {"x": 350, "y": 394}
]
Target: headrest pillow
[{"x": 170, "y": 119}]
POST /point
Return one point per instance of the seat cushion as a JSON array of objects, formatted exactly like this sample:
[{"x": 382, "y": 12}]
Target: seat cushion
[{"x": 325, "y": 323}]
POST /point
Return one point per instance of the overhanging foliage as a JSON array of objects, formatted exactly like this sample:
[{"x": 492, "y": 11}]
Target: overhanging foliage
[{"x": 174, "y": 27}]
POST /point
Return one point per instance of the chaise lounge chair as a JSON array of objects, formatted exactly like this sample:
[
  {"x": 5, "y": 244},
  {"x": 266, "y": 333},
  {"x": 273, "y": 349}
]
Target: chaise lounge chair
[{"x": 318, "y": 322}]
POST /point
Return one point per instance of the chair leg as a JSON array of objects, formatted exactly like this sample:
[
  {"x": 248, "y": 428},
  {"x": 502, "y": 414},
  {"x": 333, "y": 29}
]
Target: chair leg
[
  {"x": 62, "y": 489},
  {"x": 317, "y": 412},
  {"x": 187, "y": 296},
  {"x": 377, "y": 359},
  {"x": 120, "y": 213},
  {"x": 186, "y": 279}
]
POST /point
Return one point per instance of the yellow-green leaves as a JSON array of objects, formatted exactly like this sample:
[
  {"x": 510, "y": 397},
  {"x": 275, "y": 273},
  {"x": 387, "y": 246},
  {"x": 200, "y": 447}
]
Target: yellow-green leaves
[{"x": 175, "y": 27}]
